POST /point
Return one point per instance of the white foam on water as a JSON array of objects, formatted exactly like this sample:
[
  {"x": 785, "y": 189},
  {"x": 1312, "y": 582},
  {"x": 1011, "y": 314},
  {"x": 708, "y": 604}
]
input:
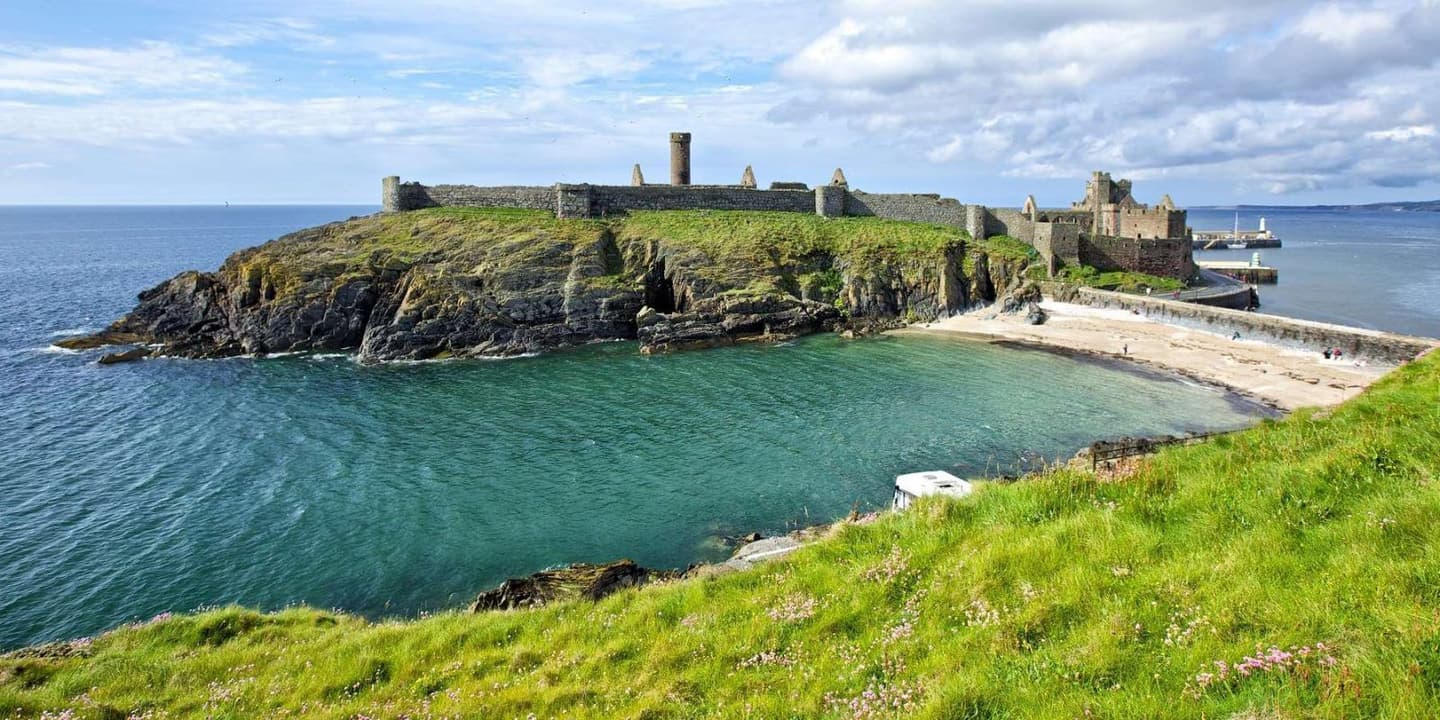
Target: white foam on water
[{"x": 52, "y": 350}]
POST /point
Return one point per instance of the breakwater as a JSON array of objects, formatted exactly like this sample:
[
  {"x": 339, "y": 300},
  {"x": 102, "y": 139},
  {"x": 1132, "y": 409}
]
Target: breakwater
[{"x": 1307, "y": 335}]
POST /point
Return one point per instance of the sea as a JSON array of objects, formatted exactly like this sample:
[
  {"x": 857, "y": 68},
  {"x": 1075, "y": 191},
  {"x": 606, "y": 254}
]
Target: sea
[
  {"x": 1371, "y": 269},
  {"x": 394, "y": 490}
]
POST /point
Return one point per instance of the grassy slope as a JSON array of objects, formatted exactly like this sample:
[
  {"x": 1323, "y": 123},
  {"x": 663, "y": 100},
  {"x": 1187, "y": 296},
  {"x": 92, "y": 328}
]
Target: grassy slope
[
  {"x": 1121, "y": 280},
  {"x": 735, "y": 245},
  {"x": 1057, "y": 596}
]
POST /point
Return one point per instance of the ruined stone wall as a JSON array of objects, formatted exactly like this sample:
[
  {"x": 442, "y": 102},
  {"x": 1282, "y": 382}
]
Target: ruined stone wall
[
  {"x": 1004, "y": 221},
  {"x": 1358, "y": 343},
  {"x": 923, "y": 208},
  {"x": 1169, "y": 257},
  {"x": 413, "y": 196},
  {"x": 613, "y": 199},
  {"x": 1151, "y": 223},
  {"x": 1057, "y": 243},
  {"x": 830, "y": 201}
]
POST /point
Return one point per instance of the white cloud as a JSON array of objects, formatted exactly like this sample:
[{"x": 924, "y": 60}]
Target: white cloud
[
  {"x": 25, "y": 166},
  {"x": 1278, "y": 96},
  {"x": 1403, "y": 134},
  {"x": 82, "y": 71},
  {"x": 291, "y": 31}
]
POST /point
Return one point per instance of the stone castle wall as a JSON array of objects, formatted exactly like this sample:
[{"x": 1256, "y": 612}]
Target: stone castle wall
[
  {"x": 1058, "y": 236},
  {"x": 414, "y": 196},
  {"x": 616, "y": 199},
  {"x": 1151, "y": 223},
  {"x": 1170, "y": 257},
  {"x": 931, "y": 209}
]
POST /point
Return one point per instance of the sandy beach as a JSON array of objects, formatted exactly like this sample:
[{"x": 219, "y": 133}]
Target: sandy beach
[{"x": 1281, "y": 377}]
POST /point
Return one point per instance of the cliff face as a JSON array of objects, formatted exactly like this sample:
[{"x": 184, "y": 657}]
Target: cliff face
[{"x": 456, "y": 283}]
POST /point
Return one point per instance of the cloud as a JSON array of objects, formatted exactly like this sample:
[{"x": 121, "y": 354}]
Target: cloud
[
  {"x": 82, "y": 71},
  {"x": 26, "y": 166},
  {"x": 1261, "y": 95},
  {"x": 1276, "y": 95},
  {"x": 292, "y": 32}
]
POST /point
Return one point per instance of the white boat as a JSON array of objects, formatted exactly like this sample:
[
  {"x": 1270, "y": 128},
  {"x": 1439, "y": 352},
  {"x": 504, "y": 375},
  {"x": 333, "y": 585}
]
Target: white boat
[
  {"x": 913, "y": 486},
  {"x": 1235, "y": 243}
]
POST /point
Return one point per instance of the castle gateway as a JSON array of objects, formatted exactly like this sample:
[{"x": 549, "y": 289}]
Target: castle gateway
[{"x": 1108, "y": 229}]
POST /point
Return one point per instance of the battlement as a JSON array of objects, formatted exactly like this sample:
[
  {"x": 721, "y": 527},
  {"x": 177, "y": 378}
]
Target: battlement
[{"x": 1108, "y": 229}]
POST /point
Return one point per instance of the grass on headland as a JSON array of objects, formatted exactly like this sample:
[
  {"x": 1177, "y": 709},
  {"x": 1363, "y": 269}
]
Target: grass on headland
[
  {"x": 1291, "y": 570},
  {"x": 1119, "y": 280}
]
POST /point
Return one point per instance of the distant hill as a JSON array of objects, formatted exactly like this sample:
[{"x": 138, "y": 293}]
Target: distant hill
[
  {"x": 1416, "y": 206},
  {"x": 1411, "y": 206}
]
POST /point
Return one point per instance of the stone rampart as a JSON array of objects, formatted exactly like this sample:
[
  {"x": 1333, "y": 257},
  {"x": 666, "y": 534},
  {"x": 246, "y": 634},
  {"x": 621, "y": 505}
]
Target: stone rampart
[
  {"x": 923, "y": 208},
  {"x": 613, "y": 199},
  {"x": 413, "y": 196},
  {"x": 1164, "y": 257},
  {"x": 1063, "y": 242},
  {"x": 1304, "y": 335}
]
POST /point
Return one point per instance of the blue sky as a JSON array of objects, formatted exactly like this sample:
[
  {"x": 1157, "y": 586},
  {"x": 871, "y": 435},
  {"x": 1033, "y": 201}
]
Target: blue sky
[{"x": 315, "y": 100}]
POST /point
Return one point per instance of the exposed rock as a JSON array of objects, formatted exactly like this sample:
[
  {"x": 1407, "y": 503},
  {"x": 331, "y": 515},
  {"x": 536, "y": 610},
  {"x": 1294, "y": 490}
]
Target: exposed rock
[
  {"x": 81, "y": 647},
  {"x": 125, "y": 356},
  {"x": 862, "y": 327},
  {"x": 1020, "y": 298},
  {"x": 456, "y": 283},
  {"x": 590, "y": 582},
  {"x": 1036, "y": 315}
]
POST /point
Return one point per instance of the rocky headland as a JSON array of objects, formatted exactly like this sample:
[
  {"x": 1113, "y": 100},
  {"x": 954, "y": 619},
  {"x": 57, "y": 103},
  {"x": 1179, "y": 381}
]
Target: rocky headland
[{"x": 450, "y": 282}]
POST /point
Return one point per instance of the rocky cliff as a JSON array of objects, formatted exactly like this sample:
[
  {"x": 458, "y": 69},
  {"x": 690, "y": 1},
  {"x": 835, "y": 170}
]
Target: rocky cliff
[{"x": 451, "y": 282}]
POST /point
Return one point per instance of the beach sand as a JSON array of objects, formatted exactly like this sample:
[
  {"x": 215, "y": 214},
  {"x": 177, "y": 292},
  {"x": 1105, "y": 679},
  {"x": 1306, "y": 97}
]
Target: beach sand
[{"x": 1281, "y": 377}]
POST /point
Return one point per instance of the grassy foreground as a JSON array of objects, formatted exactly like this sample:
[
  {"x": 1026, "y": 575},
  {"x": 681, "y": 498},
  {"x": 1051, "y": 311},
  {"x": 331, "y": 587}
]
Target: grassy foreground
[{"x": 1289, "y": 571}]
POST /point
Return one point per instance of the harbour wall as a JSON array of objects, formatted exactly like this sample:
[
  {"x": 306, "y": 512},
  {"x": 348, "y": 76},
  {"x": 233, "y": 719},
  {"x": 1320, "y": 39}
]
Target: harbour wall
[{"x": 1302, "y": 335}]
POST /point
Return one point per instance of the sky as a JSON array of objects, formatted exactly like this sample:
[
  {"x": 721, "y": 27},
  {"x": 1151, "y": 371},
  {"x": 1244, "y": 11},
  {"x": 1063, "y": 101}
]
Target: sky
[{"x": 314, "y": 101}]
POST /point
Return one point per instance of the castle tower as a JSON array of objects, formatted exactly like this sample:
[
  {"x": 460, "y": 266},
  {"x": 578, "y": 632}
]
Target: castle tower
[
  {"x": 390, "y": 193},
  {"x": 679, "y": 158},
  {"x": 839, "y": 178},
  {"x": 637, "y": 178},
  {"x": 747, "y": 180}
]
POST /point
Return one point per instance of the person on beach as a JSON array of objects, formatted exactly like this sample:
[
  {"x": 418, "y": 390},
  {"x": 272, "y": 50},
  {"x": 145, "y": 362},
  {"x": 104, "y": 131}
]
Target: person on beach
[
  {"x": 1328, "y": 353},
  {"x": 1236, "y": 336},
  {"x": 1125, "y": 349},
  {"x": 1338, "y": 354}
]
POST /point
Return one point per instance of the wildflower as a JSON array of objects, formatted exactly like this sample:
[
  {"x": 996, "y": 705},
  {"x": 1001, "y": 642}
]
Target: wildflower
[
  {"x": 980, "y": 614},
  {"x": 766, "y": 657},
  {"x": 1270, "y": 660},
  {"x": 894, "y": 565},
  {"x": 878, "y": 699},
  {"x": 898, "y": 632},
  {"x": 794, "y": 609}
]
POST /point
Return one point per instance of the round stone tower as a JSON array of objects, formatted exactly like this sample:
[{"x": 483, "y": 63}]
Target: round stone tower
[{"x": 680, "y": 158}]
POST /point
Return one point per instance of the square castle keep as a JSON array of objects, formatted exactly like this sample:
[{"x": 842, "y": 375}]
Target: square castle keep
[{"x": 1108, "y": 229}]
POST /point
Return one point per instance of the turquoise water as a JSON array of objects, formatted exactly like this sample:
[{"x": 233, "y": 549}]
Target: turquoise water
[{"x": 169, "y": 484}]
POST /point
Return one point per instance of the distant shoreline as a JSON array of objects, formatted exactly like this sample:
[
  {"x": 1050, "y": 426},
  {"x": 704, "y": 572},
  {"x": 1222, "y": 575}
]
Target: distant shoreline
[{"x": 1402, "y": 206}]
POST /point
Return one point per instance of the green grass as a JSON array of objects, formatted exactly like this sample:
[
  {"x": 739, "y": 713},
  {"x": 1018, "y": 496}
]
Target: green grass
[
  {"x": 725, "y": 234},
  {"x": 1123, "y": 281},
  {"x": 1009, "y": 248},
  {"x": 1057, "y": 596}
]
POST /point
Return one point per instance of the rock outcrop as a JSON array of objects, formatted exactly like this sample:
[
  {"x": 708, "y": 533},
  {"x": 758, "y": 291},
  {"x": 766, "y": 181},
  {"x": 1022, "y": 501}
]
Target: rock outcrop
[
  {"x": 444, "y": 283},
  {"x": 590, "y": 582}
]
